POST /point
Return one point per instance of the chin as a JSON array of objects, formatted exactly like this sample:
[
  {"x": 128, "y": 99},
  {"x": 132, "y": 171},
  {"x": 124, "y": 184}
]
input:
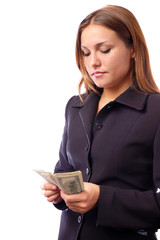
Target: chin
[{"x": 104, "y": 85}]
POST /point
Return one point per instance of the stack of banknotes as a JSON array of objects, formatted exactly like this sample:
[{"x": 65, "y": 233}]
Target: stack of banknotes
[{"x": 69, "y": 183}]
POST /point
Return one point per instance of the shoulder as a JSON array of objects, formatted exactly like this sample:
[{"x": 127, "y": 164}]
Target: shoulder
[
  {"x": 74, "y": 101},
  {"x": 154, "y": 99},
  {"x": 153, "y": 104},
  {"x": 77, "y": 101}
]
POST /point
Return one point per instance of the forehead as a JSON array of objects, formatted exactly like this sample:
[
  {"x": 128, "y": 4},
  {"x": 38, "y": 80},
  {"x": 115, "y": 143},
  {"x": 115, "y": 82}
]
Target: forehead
[{"x": 94, "y": 34}]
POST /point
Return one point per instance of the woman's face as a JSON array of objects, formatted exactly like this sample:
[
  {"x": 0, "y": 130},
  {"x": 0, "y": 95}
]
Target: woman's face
[{"x": 106, "y": 57}]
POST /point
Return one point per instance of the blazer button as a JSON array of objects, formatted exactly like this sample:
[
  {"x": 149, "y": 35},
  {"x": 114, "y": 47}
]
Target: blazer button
[
  {"x": 98, "y": 126},
  {"x": 158, "y": 190},
  {"x": 109, "y": 106},
  {"x": 87, "y": 171},
  {"x": 79, "y": 219}
]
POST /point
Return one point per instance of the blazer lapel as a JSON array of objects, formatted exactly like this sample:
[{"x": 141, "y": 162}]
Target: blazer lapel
[{"x": 87, "y": 113}]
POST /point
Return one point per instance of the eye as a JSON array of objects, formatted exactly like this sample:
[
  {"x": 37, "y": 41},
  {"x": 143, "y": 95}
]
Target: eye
[
  {"x": 106, "y": 51},
  {"x": 85, "y": 54}
]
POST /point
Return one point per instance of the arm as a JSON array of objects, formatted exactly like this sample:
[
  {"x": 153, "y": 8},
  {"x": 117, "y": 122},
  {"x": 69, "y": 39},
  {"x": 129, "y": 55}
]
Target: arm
[
  {"x": 50, "y": 191},
  {"x": 132, "y": 209},
  {"x": 63, "y": 164}
]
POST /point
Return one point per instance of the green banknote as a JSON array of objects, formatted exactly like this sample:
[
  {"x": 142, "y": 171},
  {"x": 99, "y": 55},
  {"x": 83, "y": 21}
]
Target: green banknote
[{"x": 69, "y": 182}]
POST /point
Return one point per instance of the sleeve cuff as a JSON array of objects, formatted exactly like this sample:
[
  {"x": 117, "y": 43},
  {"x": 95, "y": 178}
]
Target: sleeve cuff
[{"x": 61, "y": 205}]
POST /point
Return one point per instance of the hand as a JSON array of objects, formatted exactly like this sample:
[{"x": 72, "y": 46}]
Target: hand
[
  {"x": 84, "y": 201},
  {"x": 51, "y": 192}
]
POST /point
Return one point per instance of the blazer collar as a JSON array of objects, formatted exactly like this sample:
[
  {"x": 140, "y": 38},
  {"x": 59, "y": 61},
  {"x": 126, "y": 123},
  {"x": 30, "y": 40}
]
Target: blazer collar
[
  {"x": 133, "y": 99},
  {"x": 130, "y": 98}
]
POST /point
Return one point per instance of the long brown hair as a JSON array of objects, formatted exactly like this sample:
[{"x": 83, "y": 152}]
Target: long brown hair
[{"x": 124, "y": 23}]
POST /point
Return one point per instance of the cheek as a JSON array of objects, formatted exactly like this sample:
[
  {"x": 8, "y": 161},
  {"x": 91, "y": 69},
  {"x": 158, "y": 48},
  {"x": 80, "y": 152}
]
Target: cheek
[
  {"x": 118, "y": 63},
  {"x": 87, "y": 63}
]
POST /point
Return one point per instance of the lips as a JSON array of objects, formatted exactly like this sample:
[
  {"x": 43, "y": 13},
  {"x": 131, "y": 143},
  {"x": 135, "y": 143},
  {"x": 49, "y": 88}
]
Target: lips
[{"x": 97, "y": 74}]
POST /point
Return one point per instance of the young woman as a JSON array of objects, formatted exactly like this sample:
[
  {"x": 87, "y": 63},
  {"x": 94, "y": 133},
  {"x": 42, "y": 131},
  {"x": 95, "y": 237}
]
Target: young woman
[{"x": 112, "y": 134}]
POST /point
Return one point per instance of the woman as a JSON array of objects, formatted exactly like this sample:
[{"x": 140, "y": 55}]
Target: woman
[{"x": 112, "y": 134}]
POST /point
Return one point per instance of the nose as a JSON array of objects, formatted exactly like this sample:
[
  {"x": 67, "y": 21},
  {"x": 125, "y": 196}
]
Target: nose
[{"x": 95, "y": 61}]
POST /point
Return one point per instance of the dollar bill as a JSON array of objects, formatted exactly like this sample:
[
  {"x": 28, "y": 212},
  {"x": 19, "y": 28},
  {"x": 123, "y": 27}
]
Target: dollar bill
[
  {"x": 46, "y": 175},
  {"x": 69, "y": 183}
]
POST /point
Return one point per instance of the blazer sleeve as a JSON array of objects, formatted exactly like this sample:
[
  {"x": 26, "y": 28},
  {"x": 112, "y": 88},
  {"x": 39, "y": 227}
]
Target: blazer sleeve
[
  {"x": 132, "y": 209},
  {"x": 63, "y": 164}
]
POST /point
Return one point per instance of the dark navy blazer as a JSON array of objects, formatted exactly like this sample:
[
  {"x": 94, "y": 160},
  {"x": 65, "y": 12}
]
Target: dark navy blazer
[{"x": 119, "y": 149}]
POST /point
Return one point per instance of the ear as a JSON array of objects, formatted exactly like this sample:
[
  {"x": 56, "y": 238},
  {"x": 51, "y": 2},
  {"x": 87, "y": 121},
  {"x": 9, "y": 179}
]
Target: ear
[{"x": 133, "y": 55}]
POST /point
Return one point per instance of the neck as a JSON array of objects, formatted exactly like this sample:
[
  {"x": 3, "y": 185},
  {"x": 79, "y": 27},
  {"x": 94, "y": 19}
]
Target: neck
[{"x": 110, "y": 94}]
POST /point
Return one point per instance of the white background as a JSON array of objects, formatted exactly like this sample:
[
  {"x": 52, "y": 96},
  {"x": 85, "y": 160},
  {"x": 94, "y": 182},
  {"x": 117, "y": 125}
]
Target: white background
[{"x": 38, "y": 75}]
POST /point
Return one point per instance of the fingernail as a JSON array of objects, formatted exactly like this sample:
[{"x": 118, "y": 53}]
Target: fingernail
[{"x": 54, "y": 187}]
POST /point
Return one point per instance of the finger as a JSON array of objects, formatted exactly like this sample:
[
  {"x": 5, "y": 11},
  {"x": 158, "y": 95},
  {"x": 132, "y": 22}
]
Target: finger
[
  {"x": 74, "y": 198},
  {"x": 48, "y": 193},
  {"x": 49, "y": 186},
  {"x": 54, "y": 199},
  {"x": 77, "y": 209}
]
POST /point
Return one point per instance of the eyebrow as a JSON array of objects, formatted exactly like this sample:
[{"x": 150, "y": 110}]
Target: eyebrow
[{"x": 97, "y": 45}]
